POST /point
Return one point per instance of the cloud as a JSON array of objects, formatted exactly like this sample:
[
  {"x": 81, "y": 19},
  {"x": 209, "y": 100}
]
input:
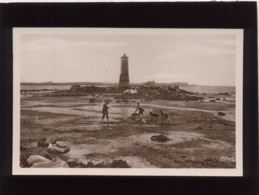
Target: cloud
[{"x": 51, "y": 44}]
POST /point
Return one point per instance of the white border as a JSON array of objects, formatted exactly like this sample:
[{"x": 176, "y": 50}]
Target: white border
[{"x": 17, "y": 170}]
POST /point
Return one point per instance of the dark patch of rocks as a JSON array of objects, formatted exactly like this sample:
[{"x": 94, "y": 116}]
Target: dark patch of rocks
[
  {"x": 143, "y": 92},
  {"x": 224, "y": 93},
  {"x": 119, "y": 164},
  {"x": 76, "y": 165},
  {"x": 159, "y": 138},
  {"x": 221, "y": 114},
  {"x": 114, "y": 164}
]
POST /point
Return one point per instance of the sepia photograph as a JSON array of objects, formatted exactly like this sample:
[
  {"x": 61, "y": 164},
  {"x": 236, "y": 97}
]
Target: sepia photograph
[{"x": 127, "y": 101}]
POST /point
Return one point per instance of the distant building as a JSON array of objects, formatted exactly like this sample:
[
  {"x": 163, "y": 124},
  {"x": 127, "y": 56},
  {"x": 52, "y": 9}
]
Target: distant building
[{"x": 124, "y": 76}]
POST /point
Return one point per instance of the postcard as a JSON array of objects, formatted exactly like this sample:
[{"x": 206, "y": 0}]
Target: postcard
[{"x": 124, "y": 101}]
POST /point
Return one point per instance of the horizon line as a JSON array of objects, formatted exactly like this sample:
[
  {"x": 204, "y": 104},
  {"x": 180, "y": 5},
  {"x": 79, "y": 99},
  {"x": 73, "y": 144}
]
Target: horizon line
[{"x": 187, "y": 84}]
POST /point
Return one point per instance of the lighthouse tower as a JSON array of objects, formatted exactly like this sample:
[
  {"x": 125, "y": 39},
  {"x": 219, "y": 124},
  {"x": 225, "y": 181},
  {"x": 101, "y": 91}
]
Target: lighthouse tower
[{"x": 124, "y": 76}]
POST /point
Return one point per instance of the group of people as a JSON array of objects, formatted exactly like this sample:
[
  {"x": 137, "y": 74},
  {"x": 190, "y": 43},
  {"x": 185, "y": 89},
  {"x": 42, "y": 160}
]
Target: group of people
[{"x": 139, "y": 110}]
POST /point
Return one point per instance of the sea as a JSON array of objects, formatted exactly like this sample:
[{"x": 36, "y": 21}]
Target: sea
[
  {"x": 192, "y": 88},
  {"x": 209, "y": 89}
]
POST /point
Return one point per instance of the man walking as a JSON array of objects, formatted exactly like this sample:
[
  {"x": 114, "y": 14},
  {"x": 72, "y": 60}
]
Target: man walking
[{"x": 105, "y": 111}]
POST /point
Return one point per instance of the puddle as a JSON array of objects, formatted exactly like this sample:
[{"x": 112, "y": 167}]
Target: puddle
[
  {"x": 53, "y": 120},
  {"x": 100, "y": 147}
]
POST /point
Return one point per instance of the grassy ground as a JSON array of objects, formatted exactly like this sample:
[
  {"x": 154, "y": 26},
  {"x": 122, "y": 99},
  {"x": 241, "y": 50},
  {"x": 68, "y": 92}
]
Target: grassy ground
[{"x": 197, "y": 138}]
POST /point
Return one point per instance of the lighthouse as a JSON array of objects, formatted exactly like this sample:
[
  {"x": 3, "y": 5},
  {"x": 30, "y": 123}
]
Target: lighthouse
[{"x": 124, "y": 76}]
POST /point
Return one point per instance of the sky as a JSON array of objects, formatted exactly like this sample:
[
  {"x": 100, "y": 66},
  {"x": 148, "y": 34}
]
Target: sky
[{"x": 204, "y": 58}]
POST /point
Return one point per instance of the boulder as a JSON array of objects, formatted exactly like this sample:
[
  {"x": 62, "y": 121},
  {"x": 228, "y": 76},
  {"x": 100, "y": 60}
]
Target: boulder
[
  {"x": 62, "y": 144},
  {"x": 58, "y": 163},
  {"x": 58, "y": 149},
  {"x": 33, "y": 159},
  {"x": 119, "y": 164}
]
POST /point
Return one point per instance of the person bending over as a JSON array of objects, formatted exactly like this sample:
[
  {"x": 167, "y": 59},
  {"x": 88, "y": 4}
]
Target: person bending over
[{"x": 140, "y": 112}]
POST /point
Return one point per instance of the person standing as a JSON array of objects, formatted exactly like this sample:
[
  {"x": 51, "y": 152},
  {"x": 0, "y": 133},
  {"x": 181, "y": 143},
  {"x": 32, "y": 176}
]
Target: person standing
[{"x": 105, "y": 111}]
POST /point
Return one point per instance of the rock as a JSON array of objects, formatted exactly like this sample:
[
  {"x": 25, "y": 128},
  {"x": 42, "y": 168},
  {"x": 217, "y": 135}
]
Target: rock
[
  {"x": 130, "y": 91},
  {"x": 217, "y": 98},
  {"x": 119, "y": 164},
  {"x": 36, "y": 159},
  {"x": 43, "y": 142},
  {"x": 73, "y": 164},
  {"x": 101, "y": 163},
  {"x": 159, "y": 138},
  {"x": 23, "y": 161},
  {"x": 58, "y": 163},
  {"x": 62, "y": 144},
  {"x": 57, "y": 149},
  {"x": 221, "y": 114}
]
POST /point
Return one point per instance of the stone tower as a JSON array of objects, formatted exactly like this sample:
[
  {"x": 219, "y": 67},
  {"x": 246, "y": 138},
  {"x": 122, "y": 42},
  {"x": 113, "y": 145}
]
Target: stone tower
[{"x": 124, "y": 76}]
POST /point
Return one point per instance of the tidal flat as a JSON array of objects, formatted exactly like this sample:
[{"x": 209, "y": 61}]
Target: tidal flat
[{"x": 197, "y": 137}]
